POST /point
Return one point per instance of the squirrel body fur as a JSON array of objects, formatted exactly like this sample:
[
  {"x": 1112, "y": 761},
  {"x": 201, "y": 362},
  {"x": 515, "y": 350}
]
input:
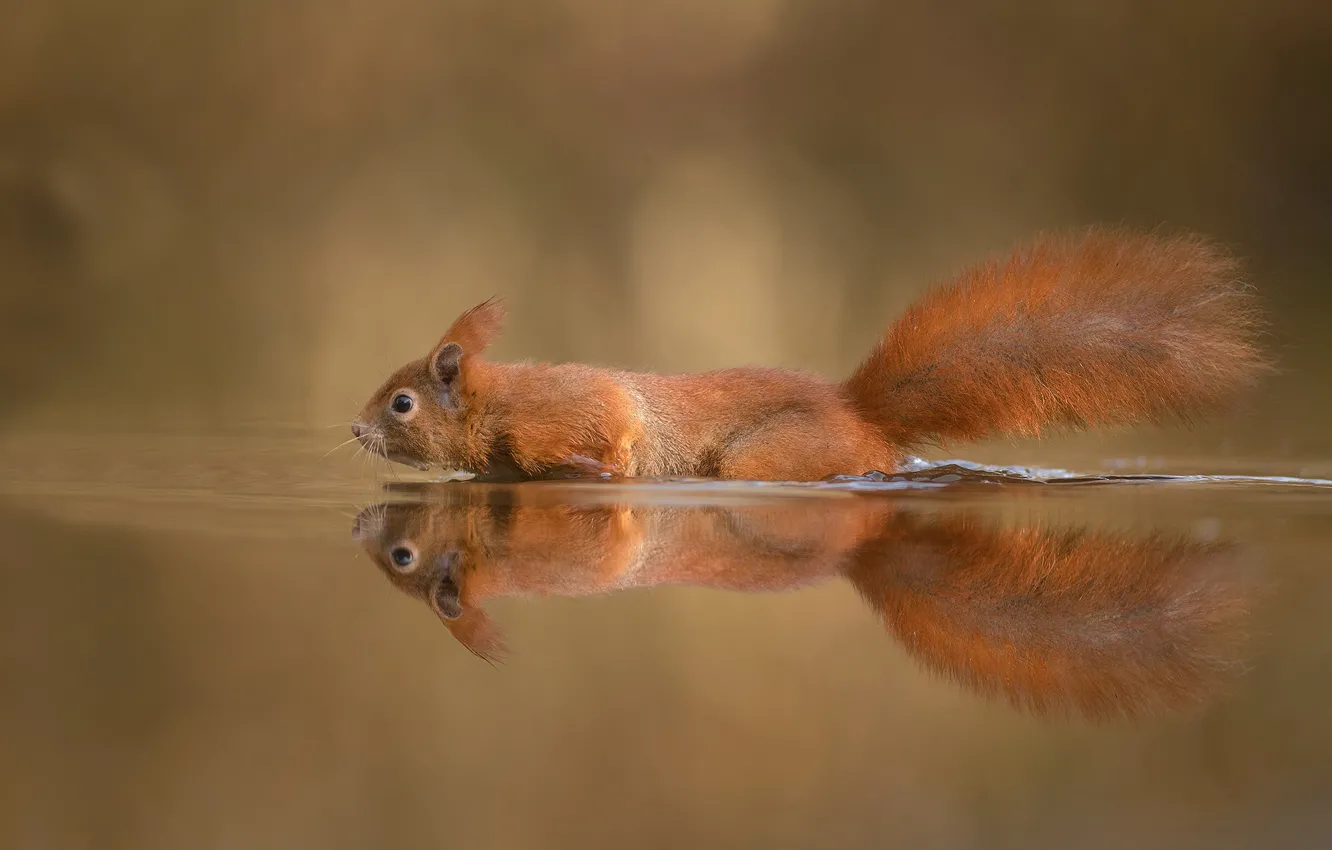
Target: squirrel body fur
[{"x": 1098, "y": 328}]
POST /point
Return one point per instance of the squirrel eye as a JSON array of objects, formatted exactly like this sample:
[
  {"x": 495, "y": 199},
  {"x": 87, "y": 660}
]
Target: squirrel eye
[
  {"x": 402, "y": 403},
  {"x": 402, "y": 556}
]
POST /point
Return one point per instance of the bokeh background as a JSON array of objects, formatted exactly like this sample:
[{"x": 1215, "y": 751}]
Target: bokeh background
[
  {"x": 243, "y": 214},
  {"x": 217, "y": 212}
]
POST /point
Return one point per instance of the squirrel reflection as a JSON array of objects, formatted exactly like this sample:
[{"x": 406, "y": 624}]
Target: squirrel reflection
[{"x": 1052, "y": 620}]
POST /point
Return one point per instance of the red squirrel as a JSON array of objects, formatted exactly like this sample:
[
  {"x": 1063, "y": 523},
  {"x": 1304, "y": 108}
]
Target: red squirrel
[
  {"x": 1098, "y": 328},
  {"x": 1054, "y": 620}
]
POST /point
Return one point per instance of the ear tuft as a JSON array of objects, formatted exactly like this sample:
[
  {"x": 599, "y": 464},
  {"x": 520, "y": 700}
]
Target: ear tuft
[
  {"x": 479, "y": 635},
  {"x": 475, "y": 329},
  {"x": 446, "y": 362}
]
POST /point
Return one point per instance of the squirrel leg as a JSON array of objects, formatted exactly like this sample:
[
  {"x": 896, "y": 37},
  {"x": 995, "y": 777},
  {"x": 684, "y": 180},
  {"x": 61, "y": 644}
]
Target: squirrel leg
[
  {"x": 581, "y": 466},
  {"x": 785, "y": 452}
]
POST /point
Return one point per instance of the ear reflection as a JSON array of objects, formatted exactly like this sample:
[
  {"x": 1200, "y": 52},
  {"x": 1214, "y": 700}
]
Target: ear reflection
[{"x": 1054, "y": 620}]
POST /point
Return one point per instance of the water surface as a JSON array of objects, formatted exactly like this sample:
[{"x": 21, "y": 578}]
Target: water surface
[{"x": 209, "y": 643}]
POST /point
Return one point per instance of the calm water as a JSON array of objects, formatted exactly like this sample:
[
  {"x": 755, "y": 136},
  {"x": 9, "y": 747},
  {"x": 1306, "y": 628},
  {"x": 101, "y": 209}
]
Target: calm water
[{"x": 223, "y": 640}]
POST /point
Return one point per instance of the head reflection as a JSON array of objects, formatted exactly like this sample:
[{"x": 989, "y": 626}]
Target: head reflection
[{"x": 1054, "y": 620}]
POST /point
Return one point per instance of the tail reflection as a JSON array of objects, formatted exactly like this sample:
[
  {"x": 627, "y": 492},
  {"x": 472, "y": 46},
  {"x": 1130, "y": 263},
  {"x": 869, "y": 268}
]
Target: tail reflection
[{"x": 1054, "y": 620}]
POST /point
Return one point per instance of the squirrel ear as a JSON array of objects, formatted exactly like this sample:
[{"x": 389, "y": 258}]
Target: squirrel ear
[
  {"x": 469, "y": 334},
  {"x": 468, "y": 624},
  {"x": 475, "y": 328},
  {"x": 446, "y": 362},
  {"x": 479, "y": 635},
  {"x": 445, "y": 599}
]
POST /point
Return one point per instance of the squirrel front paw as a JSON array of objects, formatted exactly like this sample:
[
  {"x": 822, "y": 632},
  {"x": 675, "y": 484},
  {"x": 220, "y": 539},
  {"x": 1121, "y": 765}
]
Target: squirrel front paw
[{"x": 580, "y": 466}]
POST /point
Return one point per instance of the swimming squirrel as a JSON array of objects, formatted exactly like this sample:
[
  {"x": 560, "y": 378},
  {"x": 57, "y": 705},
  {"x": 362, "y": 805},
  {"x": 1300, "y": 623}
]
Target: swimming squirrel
[
  {"x": 1096, "y": 328},
  {"x": 1057, "y": 620}
]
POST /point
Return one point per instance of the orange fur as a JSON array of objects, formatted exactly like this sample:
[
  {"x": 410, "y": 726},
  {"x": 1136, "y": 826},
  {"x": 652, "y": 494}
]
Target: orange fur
[
  {"x": 1061, "y": 620},
  {"x": 475, "y": 329},
  {"x": 1107, "y": 327},
  {"x": 1055, "y": 621},
  {"x": 1110, "y": 327}
]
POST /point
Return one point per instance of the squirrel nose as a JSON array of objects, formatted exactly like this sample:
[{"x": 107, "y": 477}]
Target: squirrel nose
[{"x": 358, "y": 429}]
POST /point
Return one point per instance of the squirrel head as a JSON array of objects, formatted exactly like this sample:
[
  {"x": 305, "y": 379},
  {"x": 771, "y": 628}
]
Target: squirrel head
[
  {"x": 429, "y": 554},
  {"x": 458, "y": 545},
  {"x": 429, "y": 413}
]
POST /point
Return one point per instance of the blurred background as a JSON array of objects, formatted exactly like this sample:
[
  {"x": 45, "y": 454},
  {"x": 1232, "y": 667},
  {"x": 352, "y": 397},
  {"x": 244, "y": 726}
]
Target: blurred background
[
  {"x": 243, "y": 213},
  {"x": 253, "y": 211}
]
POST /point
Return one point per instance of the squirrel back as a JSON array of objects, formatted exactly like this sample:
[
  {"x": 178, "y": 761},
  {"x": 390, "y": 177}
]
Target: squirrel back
[{"x": 1105, "y": 327}]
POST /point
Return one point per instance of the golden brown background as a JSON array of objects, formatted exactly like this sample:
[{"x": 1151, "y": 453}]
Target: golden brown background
[
  {"x": 243, "y": 214},
  {"x": 254, "y": 210}
]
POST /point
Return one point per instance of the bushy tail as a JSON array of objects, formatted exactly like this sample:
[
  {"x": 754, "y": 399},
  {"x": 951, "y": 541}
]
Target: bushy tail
[
  {"x": 1099, "y": 328},
  {"x": 1063, "y": 620}
]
